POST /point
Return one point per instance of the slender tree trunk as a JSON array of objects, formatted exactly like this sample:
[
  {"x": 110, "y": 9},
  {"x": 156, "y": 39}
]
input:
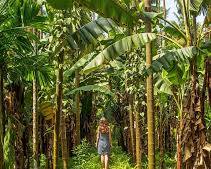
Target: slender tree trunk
[
  {"x": 59, "y": 91},
  {"x": 77, "y": 102},
  {"x": 64, "y": 141},
  {"x": 186, "y": 22},
  {"x": 131, "y": 109},
  {"x": 189, "y": 43},
  {"x": 35, "y": 124},
  {"x": 164, "y": 9},
  {"x": 16, "y": 97},
  {"x": 1, "y": 118},
  {"x": 150, "y": 107},
  {"x": 161, "y": 138},
  {"x": 179, "y": 144},
  {"x": 138, "y": 138}
]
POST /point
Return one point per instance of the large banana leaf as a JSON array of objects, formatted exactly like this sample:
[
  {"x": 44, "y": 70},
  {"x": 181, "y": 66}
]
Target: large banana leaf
[
  {"x": 173, "y": 32},
  {"x": 112, "y": 9},
  {"x": 162, "y": 84},
  {"x": 96, "y": 87},
  {"x": 168, "y": 59},
  {"x": 89, "y": 33},
  {"x": 106, "y": 8},
  {"x": 119, "y": 48},
  {"x": 195, "y": 5},
  {"x": 80, "y": 63},
  {"x": 173, "y": 28}
]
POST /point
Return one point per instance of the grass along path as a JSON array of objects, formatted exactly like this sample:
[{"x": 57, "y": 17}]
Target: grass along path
[{"x": 86, "y": 157}]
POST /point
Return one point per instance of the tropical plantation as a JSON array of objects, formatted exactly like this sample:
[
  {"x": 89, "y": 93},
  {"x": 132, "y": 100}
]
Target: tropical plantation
[{"x": 98, "y": 84}]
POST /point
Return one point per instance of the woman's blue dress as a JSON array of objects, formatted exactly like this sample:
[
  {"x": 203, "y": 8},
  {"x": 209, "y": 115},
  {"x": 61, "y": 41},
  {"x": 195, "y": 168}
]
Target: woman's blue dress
[{"x": 103, "y": 144}]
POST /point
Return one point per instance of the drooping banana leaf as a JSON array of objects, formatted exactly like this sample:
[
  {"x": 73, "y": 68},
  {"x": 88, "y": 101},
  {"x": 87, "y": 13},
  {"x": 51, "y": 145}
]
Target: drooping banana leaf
[
  {"x": 96, "y": 87},
  {"x": 89, "y": 33},
  {"x": 119, "y": 48},
  {"x": 80, "y": 63},
  {"x": 166, "y": 60},
  {"x": 173, "y": 32},
  {"x": 195, "y": 5},
  {"x": 106, "y": 8},
  {"x": 162, "y": 84}
]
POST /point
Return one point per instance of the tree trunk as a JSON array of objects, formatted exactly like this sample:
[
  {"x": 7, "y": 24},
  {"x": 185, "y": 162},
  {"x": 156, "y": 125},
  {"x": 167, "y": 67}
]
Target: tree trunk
[
  {"x": 138, "y": 139},
  {"x": 35, "y": 124},
  {"x": 59, "y": 91},
  {"x": 15, "y": 109},
  {"x": 150, "y": 108},
  {"x": 179, "y": 144},
  {"x": 161, "y": 138},
  {"x": 77, "y": 102},
  {"x": 64, "y": 141},
  {"x": 164, "y": 9},
  {"x": 1, "y": 118},
  {"x": 186, "y": 22},
  {"x": 131, "y": 109}
]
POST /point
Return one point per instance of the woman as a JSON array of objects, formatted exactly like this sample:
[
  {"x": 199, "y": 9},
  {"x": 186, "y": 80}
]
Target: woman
[{"x": 103, "y": 142}]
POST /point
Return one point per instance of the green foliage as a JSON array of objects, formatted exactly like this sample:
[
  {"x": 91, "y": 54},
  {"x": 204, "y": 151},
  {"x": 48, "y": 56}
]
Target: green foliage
[
  {"x": 86, "y": 157},
  {"x": 169, "y": 161},
  {"x": 119, "y": 159},
  {"x": 89, "y": 33},
  {"x": 122, "y": 46},
  {"x": 60, "y": 4},
  {"x": 112, "y": 9},
  {"x": 43, "y": 161},
  {"x": 168, "y": 59},
  {"x": 208, "y": 116},
  {"x": 195, "y": 6},
  {"x": 107, "y": 8},
  {"x": 78, "y": 64},
  {"x": 9, "y": 152},
  {"x": 97, "y": 87}
]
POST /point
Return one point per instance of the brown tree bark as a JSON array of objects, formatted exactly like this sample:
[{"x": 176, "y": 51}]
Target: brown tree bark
[
  {"x": 150, "y": 94},
  {"x": 138, "y": 138},
  {"x": 131, "y": 109},
  {"x": 1, "y": 117},
  {"x": 179, "y": 144},
  {"x": 64, "y": 141},
  {"x": 35, "y": 124},
  {"x": 59, "y": 92},
  {"x": 77, "y": 102},
  {"x": 161, "y": 138},
  {"x": 15, "y": 108}
]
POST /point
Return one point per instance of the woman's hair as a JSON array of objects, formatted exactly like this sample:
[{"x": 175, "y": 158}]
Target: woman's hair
[{"x": 103, "y": 125}]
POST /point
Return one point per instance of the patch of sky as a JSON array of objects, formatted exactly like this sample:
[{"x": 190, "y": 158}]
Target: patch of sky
[{"x": 172, "y": 11}]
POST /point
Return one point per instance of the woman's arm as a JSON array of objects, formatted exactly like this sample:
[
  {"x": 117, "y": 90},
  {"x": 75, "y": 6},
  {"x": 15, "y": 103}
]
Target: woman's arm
[
  {"x": 110, "y": 139},
  {"x": 97, "y": 137}
]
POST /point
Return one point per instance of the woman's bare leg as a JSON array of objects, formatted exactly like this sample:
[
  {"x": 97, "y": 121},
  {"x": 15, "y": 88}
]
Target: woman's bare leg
[
  {"x": 103, "y": 161},
  {"x": 106, "y": 161}
]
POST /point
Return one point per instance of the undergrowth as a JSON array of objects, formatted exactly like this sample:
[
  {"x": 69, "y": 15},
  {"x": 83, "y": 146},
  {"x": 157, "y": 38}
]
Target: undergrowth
[{"x": 85, "y": 156}]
